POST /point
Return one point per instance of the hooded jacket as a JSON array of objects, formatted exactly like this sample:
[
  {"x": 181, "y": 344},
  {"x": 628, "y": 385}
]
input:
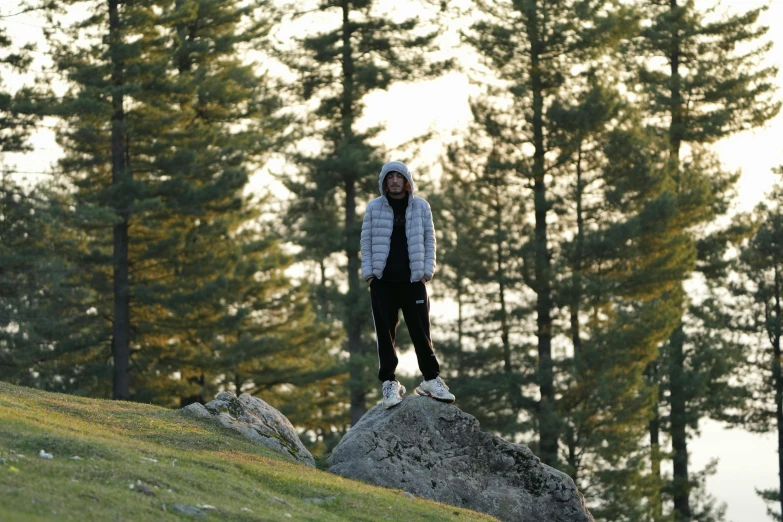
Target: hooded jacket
[{"x": 379, "y": 222}]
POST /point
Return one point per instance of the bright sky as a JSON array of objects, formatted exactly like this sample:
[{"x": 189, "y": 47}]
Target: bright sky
[{"x": 747, "y": 461}]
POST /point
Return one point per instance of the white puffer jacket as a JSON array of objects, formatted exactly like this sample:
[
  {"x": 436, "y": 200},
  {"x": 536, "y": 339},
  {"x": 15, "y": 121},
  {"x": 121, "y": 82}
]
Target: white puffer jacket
[{"x": 377, "y": 230}]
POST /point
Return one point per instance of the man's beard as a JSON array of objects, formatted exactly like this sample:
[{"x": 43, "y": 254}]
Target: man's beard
[{"x": 395, "y": 191}]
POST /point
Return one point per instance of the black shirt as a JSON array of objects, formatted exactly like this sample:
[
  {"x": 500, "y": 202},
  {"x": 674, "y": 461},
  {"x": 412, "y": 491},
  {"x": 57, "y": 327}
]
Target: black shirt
[{"x": 398, "y": 266}]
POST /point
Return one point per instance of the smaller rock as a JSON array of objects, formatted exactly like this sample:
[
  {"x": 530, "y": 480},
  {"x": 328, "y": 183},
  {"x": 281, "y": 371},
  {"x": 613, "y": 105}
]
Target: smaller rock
[
  {"x": 248, "y": 510},
  {"x": 278, "y": 499},
  {"x": 143, "y": 488},
  {"x": 256, "y": 420},
  {"x": 319, "y": 500},
  {"x": 197, "y": 410},
  {"x": 76, "y": 457},
  {"x": 190, "y": 511},
  {"x": 45, "y": 455}
]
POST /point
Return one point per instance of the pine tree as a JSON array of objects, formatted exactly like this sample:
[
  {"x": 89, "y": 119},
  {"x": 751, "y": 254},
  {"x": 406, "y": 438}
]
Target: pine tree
[
  {"x": 758, "y": 313},
  {"x": 208, "y": 303},
  {"x": 531, "y": 48},
  {"x": 479, "y": 238},
  {"x": 360, "y": 50},
  {"x": 624, "y": 271},
  {"x": 48, "y": 325},
  {"x": 617, "y": 213},
  {"x": 18, "y": 114},
  {"x": 211, "y": 120},
  {"x": 711, "y": 86},
  {"x": 95, "y": 137},
  {"x": 619, "y": 314},
  {"x": 33, "y": 284}
]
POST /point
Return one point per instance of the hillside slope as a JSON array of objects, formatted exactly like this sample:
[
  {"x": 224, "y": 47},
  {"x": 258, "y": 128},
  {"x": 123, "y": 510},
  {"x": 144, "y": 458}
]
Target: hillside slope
[{"x": 139, "y": 462}]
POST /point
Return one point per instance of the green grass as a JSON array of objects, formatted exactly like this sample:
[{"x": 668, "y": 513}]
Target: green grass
[{"x": 197, "y": 463}]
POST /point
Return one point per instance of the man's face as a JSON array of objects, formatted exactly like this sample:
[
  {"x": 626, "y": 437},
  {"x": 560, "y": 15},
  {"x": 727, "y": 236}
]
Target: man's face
[{"x": 395, "y": 183}]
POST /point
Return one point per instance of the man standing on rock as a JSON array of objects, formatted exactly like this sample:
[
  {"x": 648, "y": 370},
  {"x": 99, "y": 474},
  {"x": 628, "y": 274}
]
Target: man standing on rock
[{"x": 398, "y": 258}]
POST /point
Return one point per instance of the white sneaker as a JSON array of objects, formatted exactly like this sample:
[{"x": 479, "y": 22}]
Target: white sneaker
[
  {"x": 436, "y": 389},
  {"x": 392, "y": 393}
]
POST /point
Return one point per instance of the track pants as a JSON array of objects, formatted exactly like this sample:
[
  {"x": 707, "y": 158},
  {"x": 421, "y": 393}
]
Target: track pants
[{"x": 387, "y": 300}]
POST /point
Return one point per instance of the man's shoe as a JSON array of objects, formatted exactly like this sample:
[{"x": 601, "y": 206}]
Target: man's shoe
[
  {"x": 436, "y": 389},
  {"x": 392, "y": 393}
]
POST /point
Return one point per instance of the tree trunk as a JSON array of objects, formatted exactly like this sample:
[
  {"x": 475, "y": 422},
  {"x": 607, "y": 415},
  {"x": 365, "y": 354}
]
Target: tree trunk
[
  {"x": 778, "y": 378},
  {"x": 358, "y": 392},
  {"x": 576, "y": 276},
  {"x": 656, "y": 501},
  {"x": 572, "y": 443},
  {"x": 120, "y": 173},
  {"x": 547, "y": 420},
  {"x": 353, "y": 325},
  {"x": 460, "y": 319},
  {"x": 680, "y": 479},
  {"x": 570, "y": 434},
  {"x": 319, "y": 293},
  {"x": 676, "y": 125},
  {"x": 515, "y": 394}
]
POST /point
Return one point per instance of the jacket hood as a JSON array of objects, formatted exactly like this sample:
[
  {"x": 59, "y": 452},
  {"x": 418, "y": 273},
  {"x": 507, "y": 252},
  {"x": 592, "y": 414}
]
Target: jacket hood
[{"x": 395, "y": 166}]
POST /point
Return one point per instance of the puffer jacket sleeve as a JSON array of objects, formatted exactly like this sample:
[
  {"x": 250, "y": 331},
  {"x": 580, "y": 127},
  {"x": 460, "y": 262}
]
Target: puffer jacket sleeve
[
  {"x": 366, "y": 243},
  {"x": 429, "y": 243}
]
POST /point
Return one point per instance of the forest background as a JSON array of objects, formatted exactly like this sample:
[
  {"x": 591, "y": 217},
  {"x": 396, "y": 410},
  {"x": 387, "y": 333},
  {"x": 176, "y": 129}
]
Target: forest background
[{"x": 182, "y": 183}]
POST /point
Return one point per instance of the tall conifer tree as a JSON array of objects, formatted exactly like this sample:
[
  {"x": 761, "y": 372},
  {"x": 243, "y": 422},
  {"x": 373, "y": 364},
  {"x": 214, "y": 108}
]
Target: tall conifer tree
[
  {"x": 616, "y": 211},
  {"x": 208, "y": 302},
  {"x": 759, "y": 315},
  {"x": 48, "y": 334},
  {"x": 622, "y": 260},
  {"x": 532, "y": 47},
  {"x": 96, "y": 138},
  {"x": 479, "y": 239},
  {"x": 32, "y": 276},
  {"x": 18, "y": 117},
  {"x": 713, "y": 84}
]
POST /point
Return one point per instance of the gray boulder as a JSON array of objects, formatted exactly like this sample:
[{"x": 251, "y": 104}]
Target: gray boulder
[
  {"x": 256, "y": 420},
  {"x": 437, "y": 451}
]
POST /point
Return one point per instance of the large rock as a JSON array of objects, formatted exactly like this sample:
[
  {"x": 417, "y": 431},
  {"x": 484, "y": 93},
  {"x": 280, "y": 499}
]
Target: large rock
[
  {"x": 436, "y": 451},
  {"x": 256, "y": 420}
]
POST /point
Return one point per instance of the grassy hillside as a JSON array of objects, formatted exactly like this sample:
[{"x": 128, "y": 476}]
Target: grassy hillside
[{"x": 170, "y": 461}]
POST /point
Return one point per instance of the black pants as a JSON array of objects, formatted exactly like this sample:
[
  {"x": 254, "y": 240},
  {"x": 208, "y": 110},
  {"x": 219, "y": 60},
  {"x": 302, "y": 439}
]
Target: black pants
[{"x": 387, "y": 300}]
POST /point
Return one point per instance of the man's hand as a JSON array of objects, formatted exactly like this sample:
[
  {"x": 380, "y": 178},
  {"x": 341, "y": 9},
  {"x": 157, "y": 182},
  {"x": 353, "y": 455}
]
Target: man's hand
[
  {"x": 369, "y": 281},
  {"x": 423, "y": 279}
]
